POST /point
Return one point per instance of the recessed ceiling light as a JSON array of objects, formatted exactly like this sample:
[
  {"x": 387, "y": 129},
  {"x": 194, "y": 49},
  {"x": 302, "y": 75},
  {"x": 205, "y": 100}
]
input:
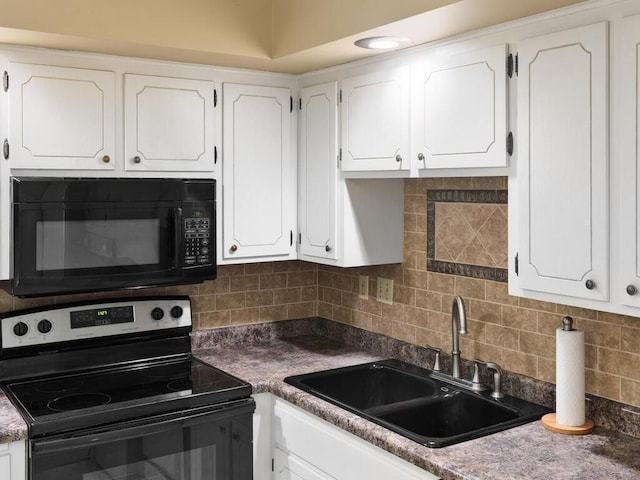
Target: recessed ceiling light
[{"x": 380, "y": 43}]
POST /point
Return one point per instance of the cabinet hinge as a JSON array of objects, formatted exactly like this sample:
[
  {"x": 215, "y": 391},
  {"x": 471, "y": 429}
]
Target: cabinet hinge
[
  {"x": 5, "y": 149},
  {"x": 215, "y": 98},
  {"x": 5, "y": 80},
  {"x": 300, "y": 104},
  {"x": 300, "y": 238},
  {"x": 339, "y": 156},
  {"x": 291, "y": 238},
  {"x": 510, "y": 65},
  {"x": 340, "y": 96},
  {"x": 273, "y": 465},
  {"x": 516, "y": 67},
  {"x": 516, "y": 264},
  {"x": 290, "y": 104},
  {"x": 510, "y": 144},
  {"x": 215, "y": 155}
]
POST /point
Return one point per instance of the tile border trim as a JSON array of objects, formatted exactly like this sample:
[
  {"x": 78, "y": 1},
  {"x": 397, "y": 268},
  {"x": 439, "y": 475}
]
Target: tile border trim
[{"x": 461, "y": 269}]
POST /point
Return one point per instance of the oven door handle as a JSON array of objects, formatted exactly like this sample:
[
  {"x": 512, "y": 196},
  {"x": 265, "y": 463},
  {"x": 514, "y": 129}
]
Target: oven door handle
[{"x": 141, "y": 428}]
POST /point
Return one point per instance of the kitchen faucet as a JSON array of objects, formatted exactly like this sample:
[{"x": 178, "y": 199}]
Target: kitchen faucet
[{"x": 458, "y": 324}]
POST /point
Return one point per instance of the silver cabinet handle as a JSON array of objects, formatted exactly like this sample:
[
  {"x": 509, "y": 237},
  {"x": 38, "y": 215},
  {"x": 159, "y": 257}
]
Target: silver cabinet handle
[
  {"x": 234, "y": 248},
  {"x": 137, "y": 159},
  {"x": 398, "y": 158},
  {"x": 420, "y": 156}
]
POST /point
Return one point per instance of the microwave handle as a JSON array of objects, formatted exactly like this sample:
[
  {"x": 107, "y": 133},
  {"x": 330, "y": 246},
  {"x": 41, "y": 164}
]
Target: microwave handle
[{"x": 178, "y": 238}]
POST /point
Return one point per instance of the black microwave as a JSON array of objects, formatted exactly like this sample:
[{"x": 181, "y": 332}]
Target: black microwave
[{"x": 75, "y": 235}]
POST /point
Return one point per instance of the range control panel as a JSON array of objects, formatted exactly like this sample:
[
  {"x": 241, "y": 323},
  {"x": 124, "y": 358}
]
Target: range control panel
[{"x": 78, "y": 321}]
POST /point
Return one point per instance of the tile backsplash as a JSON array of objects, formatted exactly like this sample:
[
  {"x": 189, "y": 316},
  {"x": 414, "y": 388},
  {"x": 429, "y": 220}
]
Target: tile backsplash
[{"x": 517, "y": 333}]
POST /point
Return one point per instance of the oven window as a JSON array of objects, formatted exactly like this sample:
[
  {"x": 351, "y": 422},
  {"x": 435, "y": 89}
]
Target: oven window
[
  {"x": 64, "y": 245},
  {"x": 217, "y": 446}
]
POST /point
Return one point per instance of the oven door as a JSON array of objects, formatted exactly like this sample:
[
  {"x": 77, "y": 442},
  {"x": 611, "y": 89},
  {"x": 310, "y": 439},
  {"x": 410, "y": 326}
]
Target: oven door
[{"x": 210, "y": 444}]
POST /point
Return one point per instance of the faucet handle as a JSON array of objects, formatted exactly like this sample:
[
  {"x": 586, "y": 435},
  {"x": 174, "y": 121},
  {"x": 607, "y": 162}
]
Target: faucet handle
[
  {"x": 494, "y": 369},
  {"x": 436, "y": 361}
]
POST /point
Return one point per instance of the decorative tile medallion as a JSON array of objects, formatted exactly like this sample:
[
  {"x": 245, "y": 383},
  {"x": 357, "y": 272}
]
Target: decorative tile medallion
[{"x": 467, "y": 233}]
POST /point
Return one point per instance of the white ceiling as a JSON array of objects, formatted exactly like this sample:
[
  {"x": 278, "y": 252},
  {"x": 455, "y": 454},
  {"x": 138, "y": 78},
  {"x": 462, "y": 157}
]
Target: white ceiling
[{"x": 292, "y": 36}]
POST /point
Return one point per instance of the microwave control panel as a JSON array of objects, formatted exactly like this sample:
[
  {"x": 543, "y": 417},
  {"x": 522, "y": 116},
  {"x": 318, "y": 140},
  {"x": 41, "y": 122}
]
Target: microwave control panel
[{"x": 197, "y": 237}]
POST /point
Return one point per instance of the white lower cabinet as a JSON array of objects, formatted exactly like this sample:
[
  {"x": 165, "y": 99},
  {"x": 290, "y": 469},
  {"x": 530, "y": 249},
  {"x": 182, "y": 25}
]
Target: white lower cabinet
[
  {"x": 13, "y": 461},
  {"x": 306, "y": 447}
]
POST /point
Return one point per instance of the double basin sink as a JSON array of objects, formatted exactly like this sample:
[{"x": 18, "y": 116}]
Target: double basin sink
[{"x": 410, "y": 401}]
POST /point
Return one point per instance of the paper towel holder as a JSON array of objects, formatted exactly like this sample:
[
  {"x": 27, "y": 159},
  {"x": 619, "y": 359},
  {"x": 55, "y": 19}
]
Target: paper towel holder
[{"x": 549, "y": 420}]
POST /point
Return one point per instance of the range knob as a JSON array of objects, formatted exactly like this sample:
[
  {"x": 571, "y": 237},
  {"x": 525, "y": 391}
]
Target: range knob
[
  {"x": 20, "y": 329},
  {"x": 176, "y": 312},
  {"x": 157, "y": 313},
  {"x": 44, "y": 326}
]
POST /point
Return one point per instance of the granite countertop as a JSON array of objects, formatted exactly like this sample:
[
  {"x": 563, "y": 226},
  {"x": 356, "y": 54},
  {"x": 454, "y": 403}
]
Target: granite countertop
[{"x": 526, "y": 452}]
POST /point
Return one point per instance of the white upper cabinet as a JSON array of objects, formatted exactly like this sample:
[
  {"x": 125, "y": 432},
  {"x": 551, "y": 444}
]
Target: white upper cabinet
[
  {"x": 563, "y": 163},
  {"x": 318, "y": 170},
  {"x": 459, "y": 110},
  {"x": 258, "y": 201},
  {"x": 169, "y": 124},
  {"x": 375, "y": 121},
  {"x": 61, "y": 118},
  {"x": 629, "y": 157}
]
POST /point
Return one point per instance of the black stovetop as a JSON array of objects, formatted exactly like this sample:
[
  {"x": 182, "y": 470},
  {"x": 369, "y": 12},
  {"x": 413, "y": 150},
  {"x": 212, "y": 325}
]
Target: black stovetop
[{"x": 68, "y": 402}]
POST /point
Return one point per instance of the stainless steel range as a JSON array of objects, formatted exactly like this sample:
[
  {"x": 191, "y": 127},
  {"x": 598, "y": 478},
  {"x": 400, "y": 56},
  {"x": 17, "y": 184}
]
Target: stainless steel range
[{"x": 110, "y": 391}]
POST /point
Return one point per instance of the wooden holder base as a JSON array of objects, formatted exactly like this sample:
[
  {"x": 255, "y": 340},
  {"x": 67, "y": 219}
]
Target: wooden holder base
[{"x": 550, "y": 423}]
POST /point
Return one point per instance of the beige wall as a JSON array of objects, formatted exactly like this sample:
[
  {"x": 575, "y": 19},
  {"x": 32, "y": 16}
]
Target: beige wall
[{"x": 517, "y": 333}]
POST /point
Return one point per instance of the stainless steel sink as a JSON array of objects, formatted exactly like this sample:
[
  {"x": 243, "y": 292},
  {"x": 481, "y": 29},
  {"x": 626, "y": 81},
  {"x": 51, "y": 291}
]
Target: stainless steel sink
[{"x": 406, "y": 399}]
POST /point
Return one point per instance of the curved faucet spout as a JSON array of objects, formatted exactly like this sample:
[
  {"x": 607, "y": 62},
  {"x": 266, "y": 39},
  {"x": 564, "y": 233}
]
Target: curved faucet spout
[{"x": 458, "y": 325}]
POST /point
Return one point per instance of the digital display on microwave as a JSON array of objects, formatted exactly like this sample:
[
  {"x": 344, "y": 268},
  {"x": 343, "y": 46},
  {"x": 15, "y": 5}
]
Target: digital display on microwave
[
  {"x": 101, "y": 317},
  {"x": 62, "y": 245}
]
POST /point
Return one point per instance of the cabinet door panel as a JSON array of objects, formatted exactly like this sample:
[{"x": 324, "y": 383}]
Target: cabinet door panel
[
  {"x": 169, "y": 124},
  {"x": 318, "y": 171},
  {"x": 375, "y": 121},
  {"x": 563, "y": 172},
  {"x": 290, "y": 467},
  {"x": 630, "y": 160},
  {"x": 256, "y": 171},
  {"x": 61, "y": 118},
  {"x": 460, "y": 111}
]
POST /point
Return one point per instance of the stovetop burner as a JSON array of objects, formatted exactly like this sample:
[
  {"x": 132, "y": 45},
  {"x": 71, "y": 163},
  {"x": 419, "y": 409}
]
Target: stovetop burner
[{"x": 78, "y": 400}]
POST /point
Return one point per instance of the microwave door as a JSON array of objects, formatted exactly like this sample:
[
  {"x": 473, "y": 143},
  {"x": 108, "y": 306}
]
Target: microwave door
[{"x": 93, "y": 246}]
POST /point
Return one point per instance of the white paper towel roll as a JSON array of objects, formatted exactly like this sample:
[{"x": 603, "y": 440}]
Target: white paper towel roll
[{"x": 570, "y": 377}]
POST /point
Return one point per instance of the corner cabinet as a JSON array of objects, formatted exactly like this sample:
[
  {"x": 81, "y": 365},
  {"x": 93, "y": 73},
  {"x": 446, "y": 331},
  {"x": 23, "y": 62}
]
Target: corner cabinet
[
  {"x": 375, "y": 113},
  {"x": 308, "y": 448},
  {"x": 61, "y": 118},
  {"x": 169, "y": 124},
  {"x": 459, "y": 110},
  {"x": 258, "y": 194},
  {"x": 563, "y": 163},
  {"x": 13, "y": 461},
  {"x": 340, "y": 220},
  {"x": 629, "y": 155}
]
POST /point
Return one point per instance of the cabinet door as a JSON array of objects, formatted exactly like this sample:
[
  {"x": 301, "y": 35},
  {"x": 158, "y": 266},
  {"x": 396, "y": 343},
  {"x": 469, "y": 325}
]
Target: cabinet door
[
  {"x": 563, "y": 171},
  {"x": 629, "y": 104},
  {"x": 169, "y": 124},
  {"x": 459, "y": 117},
  {"x": 375, "y": 121},
  {"x": 61, "y": 118},
  {"x": 318, "y": 171},
  {"x": 13, "y": 461},
  {"x": 257, "y": 193},
  {"x": 290, "y": 467}
]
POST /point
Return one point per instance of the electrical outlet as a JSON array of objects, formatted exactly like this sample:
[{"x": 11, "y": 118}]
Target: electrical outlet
[
  {"x": 385, "y": 291},
  {"x": 364, "y": 286}
]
